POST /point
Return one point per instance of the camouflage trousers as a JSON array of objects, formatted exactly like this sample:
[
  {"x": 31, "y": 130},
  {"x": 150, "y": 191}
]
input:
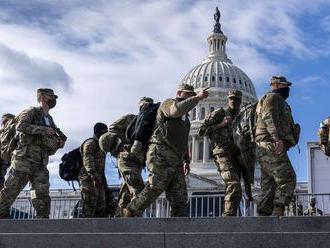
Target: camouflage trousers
[
  {"x": 130, "y": 170},
  {"x": 278, "y": 179},
  {"x": 20, "y": 173},
  {"x": 165, "y": 174},
  {"x": 93, "y": 199},
  {"x": 3, "y": 171},
  {"x": 228, "y": 167}
]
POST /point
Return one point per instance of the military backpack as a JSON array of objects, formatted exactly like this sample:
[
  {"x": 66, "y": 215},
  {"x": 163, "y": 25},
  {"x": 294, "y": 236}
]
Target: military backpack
[
  {"x": 8, "y": 140},
  {"x": 141, "y": 127},
  {"x": 243, "y": 130},
  {"x": 71, "y": 164}
]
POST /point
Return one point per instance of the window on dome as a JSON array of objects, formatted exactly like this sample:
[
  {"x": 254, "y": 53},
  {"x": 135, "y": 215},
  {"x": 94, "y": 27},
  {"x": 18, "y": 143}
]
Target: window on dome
[
  {"x": 205, "y": 79},
  {"x": 245, "y": 83},
  {"x": 234, "y": 80},
  {"x": 202, "y": 113},
  {"x": 200, "y": 150},
  {"x": 222, "y": 42},
  {"x": 227, "y": 78},
  {"x": 194, "y": 114},
  {"x": 211, "y": 109},
  {"x": 240, "y": 81},
  {"x": 213, "y": 78},
  {"x": 210, "y": 152},
  {"x": 220, "y": 79}
]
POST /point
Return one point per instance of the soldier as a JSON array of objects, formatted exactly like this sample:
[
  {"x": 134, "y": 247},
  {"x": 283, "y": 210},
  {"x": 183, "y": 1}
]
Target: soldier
[
  {"x": 167, "y": 156},
  {"x": 227, "y": 156},
  {"x": 92, "y": 174},
  {"x": 275, "y": 134},
  {"x": 5, "y": 120},
  {"x": 312, "y": 209},
  {"x": 38, "y": 137},
  {"x": 130, "y": 163}
]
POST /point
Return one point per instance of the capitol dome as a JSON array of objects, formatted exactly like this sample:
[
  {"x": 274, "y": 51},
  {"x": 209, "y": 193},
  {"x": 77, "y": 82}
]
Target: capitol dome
[{"x": 217, "y": 72}]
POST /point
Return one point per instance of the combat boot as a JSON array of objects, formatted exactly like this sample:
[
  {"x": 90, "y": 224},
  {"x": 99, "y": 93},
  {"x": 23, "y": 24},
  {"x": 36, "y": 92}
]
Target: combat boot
[{"x": 278, "y": 211}]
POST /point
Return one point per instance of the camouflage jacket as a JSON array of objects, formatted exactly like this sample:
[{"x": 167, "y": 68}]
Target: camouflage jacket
[
  {"x": 221, "y": 139},
  {"x": 33, "y": 142},
  {"x": 93, "y": 158},
  {"x": 274, "y": 120},
  {"x": 118, "y": 128},
  {"x": 173, "y": 125}
]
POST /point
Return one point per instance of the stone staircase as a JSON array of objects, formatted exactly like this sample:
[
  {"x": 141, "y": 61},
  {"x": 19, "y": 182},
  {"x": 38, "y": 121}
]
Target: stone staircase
[{"x": 227, "y": 232}]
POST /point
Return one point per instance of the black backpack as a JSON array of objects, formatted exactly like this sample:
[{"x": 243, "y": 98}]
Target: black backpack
[
  {"x": 71, "y": 165},
  {"x": 141, "y": 127}
]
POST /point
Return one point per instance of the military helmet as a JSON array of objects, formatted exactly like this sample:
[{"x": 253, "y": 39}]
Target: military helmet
[
  {"x": 280, "y": 80},
  {"x": 46, "y": 91},
  {"x": 235, "y": 93},
  {"x": 186, "y": 88},
  {"x": 100, "y": 128}
]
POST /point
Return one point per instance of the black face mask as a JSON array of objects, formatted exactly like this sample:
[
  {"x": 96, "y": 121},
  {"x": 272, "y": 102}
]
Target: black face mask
[
  {"x": 284, "y": 92},
  {"x": 51, "y": 103}
]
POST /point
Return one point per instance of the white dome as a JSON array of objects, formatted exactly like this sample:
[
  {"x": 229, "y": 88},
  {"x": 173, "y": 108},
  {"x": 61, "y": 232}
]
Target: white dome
[
  {"x": 220, "y": 75},
  {"x": 217, "y": 72}
]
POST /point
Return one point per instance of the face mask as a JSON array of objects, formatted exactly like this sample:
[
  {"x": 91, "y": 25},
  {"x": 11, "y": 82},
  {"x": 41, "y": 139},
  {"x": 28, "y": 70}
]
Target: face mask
[
  {"x": 51, "y": 103},
  {"x": 234, "y": 104},
  {"x": 284, "y": 92}
]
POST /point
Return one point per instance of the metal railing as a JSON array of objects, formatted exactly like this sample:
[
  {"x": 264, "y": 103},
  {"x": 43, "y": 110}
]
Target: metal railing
[
  {"x": 207, "y": 205},
  {"x": 301, "y": 205}
]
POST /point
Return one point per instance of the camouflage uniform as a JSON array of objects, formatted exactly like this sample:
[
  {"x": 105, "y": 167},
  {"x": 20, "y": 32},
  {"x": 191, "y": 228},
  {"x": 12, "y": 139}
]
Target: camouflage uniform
[
  {"x": 93, "y": 166},
  {"x": 165, "y": 157},
  {"x": 3, "y": 163},
  {"x": 129, "y": 166},
  {"x": 278, "y": 178},
  {"x": 29, "y": 161},
  {"x": 226, "y": 155},
  {"x": 3, "y": 169}
]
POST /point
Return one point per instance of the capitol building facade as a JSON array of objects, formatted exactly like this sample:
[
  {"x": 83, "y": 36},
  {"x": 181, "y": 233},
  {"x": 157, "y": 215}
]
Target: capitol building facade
[{"x": 219, "y": 73}]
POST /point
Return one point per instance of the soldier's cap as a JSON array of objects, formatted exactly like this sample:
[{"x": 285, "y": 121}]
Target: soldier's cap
[
  {"x": 280, "y": 80},
  {"x": 7, "y": 116},
  {"x": 145, "y": 100},
  {"x": 235, "y": 93},
  {"x": 46, "y": 91},
  {"x": 186, "y": 88}
]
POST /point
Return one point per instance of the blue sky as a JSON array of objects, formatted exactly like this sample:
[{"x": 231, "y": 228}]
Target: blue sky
[{"x": 101, "y": 56}]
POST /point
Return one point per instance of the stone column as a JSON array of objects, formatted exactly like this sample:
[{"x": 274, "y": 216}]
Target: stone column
[
  {"x": 193, "y": 149},
  {"x": 205, "y": 150}
]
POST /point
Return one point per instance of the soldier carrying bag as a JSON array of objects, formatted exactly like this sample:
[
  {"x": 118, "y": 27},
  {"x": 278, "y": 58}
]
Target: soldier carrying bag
[
  {"x": 8, "y": 140},
  {"x": 71, "y": 165},
  {"x": 324, "y": 136}
]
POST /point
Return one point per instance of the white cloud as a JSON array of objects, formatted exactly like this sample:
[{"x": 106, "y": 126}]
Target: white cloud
[{"x": 18, "y": 68}]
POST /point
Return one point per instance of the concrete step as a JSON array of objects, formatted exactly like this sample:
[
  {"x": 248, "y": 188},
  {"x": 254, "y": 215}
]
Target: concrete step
[
  {"x": 166, "y": 240},
  {"x": 170, "y": 225}
]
